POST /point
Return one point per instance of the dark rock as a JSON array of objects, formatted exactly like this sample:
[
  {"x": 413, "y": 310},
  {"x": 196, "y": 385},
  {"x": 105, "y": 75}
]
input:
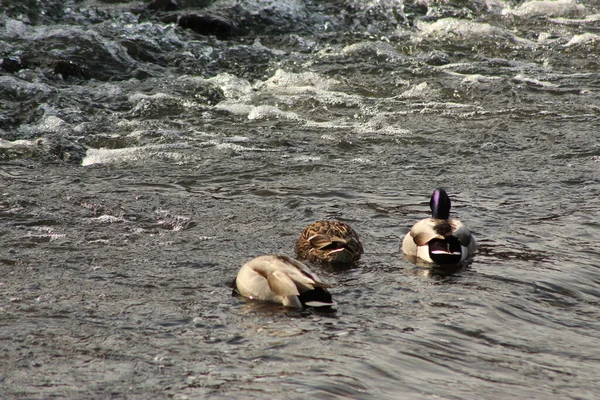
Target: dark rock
[
  {"x": 163, "y": 5},
  {"x": 49, "y": 149},
  {"x": 221, "y": 27},
  {"x": 11, "y": 64},
  {"x": 69, "y": 69},
  {"x": 435, "y": 57},
  {"x": 139, "y": 52},
  {"x": 65, "y": 149}
]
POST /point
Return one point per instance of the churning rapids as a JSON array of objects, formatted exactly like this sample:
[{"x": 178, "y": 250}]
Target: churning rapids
[{"x": 149, "y": 149}]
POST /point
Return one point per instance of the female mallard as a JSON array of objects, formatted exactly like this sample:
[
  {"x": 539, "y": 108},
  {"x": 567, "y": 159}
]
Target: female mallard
[
  {"x": 329, "y": 242},
  {"x": 439, "y": 239},
  {"x": 284, "y": 280}
]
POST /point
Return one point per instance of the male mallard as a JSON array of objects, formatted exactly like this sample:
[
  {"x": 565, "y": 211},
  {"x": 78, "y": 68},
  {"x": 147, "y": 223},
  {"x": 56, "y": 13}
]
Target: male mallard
[
  {"x": 439, "y": 239},
  {"x": 329, "y": 242},
  {"x": 284, "y": 280}
]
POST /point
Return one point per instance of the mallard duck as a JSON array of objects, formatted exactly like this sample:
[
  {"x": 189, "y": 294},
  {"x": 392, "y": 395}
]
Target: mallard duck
[
  {"x": 284, "y": 280},
  {"x": 329, "y": 241},
  {"x": 439, "y": 239}
]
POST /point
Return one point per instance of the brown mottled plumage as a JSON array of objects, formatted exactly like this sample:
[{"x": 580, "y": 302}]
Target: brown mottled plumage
[{"x": 329, "y": 241}]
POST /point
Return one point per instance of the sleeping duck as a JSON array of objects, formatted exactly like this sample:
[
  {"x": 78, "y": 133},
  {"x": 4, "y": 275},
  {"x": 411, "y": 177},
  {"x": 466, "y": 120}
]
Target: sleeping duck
[
  {"x": 329, "y": 241},
  {"x": 439, "y": 239},
  {"x": 284, "y": 280}
]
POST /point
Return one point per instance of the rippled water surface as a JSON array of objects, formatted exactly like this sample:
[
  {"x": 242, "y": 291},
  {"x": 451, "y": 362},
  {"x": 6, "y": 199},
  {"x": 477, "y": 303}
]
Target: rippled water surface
[{"x": 148, "y": 150}]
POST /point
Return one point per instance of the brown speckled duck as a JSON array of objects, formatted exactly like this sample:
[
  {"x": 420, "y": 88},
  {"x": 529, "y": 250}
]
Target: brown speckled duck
[
  {"x": 329, "y": 241},
  {"x": 281, "y": 279},
  {"x": 439, "y": 239}
]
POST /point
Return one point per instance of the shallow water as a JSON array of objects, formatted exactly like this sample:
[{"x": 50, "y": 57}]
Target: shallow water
[{"x": 142, "y": 163}]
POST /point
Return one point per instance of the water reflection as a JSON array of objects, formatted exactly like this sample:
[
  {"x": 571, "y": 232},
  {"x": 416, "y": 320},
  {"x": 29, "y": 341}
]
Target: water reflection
[{"x": 436, "y": 272}]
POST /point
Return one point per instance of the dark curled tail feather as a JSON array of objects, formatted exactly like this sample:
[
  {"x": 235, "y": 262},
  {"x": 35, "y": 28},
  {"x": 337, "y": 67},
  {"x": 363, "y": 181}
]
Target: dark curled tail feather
[
  {"x": 445, "y": 251},
  {"x": 317, "y": 295}
]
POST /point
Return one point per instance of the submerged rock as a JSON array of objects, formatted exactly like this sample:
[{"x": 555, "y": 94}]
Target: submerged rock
[
  {"x": 69, "y": 69},
  {"x": 204, "y": 24},
  {"x": 163, "y": 5},
  {"x": 12, "y": 64},
  {"x": 50, "y": 148}
]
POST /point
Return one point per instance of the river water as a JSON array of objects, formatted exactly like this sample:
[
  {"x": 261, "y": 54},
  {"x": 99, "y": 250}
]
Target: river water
[{"x": 143, "y": 160}]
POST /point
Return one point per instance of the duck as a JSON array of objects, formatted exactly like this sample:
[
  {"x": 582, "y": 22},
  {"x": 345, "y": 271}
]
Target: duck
[
  {"x": 439, "y": 239},
  {"x": 281, "y": 279},
  {"x": 329, "y": 241}
]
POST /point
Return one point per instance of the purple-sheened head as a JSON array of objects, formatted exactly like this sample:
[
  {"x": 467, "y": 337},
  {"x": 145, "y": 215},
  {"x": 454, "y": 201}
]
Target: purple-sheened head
[{"x": 440, "y": 204}]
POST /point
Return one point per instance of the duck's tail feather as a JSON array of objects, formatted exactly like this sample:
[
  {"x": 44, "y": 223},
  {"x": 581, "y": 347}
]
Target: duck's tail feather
[{"x": 318, "y": 297}]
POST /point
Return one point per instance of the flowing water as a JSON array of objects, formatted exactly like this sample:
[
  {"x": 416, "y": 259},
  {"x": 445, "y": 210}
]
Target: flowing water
[{"x": 147, "y": 152}]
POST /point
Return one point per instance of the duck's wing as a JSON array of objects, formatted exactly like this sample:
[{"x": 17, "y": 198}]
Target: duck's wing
[
  {"x": 462, "y": 233},
  {"x": 329, "y": 241},
  {"x": 320, "y": 241},
  {"x": 424, "y": 231},
  {"x": 282, "y": 285},
  {"x": 283, "y": 275},
  {"x": 282, "y": 271},
  {"x": 313, "y": 238},
  {"x": 298, "y": 272},
  {"x": 321, "y": 234}
]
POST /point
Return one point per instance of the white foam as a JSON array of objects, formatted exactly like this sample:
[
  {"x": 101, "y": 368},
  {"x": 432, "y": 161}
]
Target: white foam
[
  {"x": 453, "y": 29},
  {"x": 238, "y": 139},
  {"x": 422, "y": 90},
  {"x": 532, "y": 81},
  {"x": 362, "y": 160},
  {"x": 19, "y": 144},
  {"x": 110, "y": 156},
  {"x": 236, "y": 147},
  {"x": 269, "y": 112},
  {"x": 108, "y": 219},
  {"x": 589, "y": 19},
  {"x": 547, "y": 8},
  {"x": 330, "y": 138},
  {"x": 231, "y": 86},
  {"x": 295, "y": 83},
  {"x": 381, "y": 126},
  {"x": 307, "y": 159},
  {"x": 385, "y": 131},
  {"x": 478, "y": 78},
  {"x": 284, "y": 89},
  {"x": 234, "y": 107},
  {"x": 231, "y": 146},
  {"x": 583, "y": 39},
  {"x": 379, "y": 49},
  {"x": 137, "y": 97}
]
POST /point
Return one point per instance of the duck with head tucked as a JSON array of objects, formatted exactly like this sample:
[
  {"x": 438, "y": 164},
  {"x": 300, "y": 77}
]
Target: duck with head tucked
[
  {"x": 329, "y": 242},
  {"x": 284, "y": 280},
  {"x": 439, "y": 239}
]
